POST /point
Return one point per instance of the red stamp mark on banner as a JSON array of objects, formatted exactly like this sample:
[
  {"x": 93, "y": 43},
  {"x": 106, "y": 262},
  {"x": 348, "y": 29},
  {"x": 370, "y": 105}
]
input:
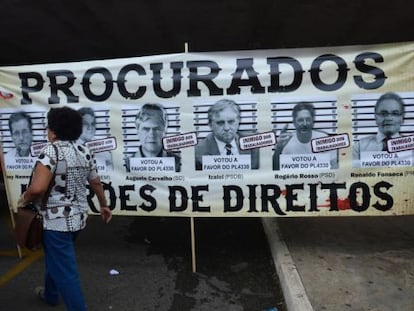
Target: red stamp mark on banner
[{"x": 5, "y": 95}]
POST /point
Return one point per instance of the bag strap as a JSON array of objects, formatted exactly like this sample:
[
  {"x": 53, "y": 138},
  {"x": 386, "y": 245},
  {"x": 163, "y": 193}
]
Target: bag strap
[{"x": 49, "y": 188}]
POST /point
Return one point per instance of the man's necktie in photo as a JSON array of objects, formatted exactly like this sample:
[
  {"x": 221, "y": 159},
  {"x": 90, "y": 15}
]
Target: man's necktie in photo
[
  {"x": 228, "y": 149},
  {"x": 384, "y": 144}
]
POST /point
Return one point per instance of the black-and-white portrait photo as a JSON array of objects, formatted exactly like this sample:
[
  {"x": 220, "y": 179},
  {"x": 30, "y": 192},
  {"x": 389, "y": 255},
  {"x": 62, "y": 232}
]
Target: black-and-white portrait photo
[
  {"x": 223, "y": 124},
  {"x": 377, "y": 120},
  {"x": 144, "y": 141},
  {"x": 297, "y": 124},
  {"x": 95, "y": 126},
  {"x": 21, "y": 131},
  {"x": 20, "y": 127}
]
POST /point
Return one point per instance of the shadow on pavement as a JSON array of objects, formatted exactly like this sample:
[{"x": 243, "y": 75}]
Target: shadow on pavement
[{"x": 234, "y": 266}]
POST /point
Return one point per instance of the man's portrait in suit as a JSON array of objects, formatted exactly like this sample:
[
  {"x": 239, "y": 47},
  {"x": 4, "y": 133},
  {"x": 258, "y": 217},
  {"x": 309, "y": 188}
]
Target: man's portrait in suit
[
  {"x": 389, "y": 112},
  {"x": 224, "y": 122},
  {"x": 389, "y": 116}
]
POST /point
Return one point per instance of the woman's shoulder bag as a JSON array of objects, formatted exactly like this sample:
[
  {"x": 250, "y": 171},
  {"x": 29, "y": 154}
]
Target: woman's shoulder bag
[{"x": 28, "y": 227}]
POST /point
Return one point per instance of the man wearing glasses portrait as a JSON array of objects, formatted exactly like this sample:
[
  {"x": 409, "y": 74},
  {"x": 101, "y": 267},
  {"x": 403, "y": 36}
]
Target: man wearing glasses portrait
[{"x": 389, "y": 116}]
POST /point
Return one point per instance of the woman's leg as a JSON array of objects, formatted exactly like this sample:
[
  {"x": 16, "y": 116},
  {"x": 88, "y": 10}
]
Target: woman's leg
[
  {"x": 51, "y": 294},
  {"x": 62, "y": 269}
]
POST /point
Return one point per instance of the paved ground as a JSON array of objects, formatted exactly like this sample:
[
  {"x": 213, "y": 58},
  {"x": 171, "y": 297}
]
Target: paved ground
[
  {"x": 345, "y": 264},
  {"x": 335, "y": 264},
  {"x": 235, "y": 270}
]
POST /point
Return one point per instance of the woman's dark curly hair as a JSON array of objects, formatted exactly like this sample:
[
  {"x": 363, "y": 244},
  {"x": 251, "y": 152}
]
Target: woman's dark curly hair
[{"x": 65, "y": 122}]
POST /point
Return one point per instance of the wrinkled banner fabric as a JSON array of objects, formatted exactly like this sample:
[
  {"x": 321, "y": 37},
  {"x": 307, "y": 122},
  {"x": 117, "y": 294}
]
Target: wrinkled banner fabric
[{"x": 342, "y": 84}]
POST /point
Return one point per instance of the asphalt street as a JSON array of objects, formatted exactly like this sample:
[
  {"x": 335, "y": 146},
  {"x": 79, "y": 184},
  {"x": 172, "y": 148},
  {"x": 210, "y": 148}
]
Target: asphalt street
[
  {"x": 320, "y": 263},
  {"x": 151, "y": 263}
]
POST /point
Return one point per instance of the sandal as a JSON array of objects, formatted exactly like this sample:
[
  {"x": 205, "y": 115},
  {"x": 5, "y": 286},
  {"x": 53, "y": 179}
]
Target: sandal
[{"x": 40, "y": 292}]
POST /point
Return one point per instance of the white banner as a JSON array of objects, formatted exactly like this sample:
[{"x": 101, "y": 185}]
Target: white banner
[{"x": 262, "y": 133}]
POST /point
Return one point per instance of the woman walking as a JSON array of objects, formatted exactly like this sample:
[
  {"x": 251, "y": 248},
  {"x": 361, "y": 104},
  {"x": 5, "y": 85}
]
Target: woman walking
[{"x": 66, "y": 210}]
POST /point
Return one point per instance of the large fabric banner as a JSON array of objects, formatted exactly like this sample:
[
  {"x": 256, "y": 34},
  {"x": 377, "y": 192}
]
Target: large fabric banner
[{"x": 262, "y": 133}]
